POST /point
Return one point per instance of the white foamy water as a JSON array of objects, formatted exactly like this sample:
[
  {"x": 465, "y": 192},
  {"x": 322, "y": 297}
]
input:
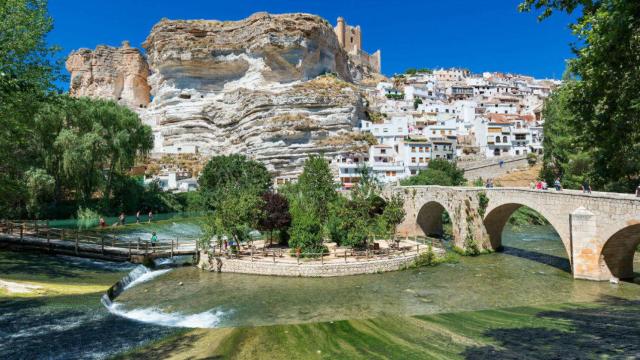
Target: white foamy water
[
  {"x": 145, "y": 276},
  {"x": 206, "y": 319}
]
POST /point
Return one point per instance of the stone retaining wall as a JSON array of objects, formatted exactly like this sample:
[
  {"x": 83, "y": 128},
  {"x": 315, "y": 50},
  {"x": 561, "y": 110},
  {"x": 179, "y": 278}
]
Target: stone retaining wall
[
  {"x": 491, "y": 169},
  {"x": 305, "y": 270}
]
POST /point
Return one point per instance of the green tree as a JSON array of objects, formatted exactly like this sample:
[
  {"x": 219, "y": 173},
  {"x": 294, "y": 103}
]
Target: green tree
[
  {"x": 306, "y": 228},
  {"x": 40, "y": 187},
  {"x": 99, "y": 139},
  {"x": 606, "y": 97},
  {"x": 316, "y": 186},
  {"x": 237, "y": 215},
  {"x": 394, "y": 214},
  {"x": 232, "y": 174},
  {"x": 28, "y": 69},
  {"x": 439, "y": 172}
]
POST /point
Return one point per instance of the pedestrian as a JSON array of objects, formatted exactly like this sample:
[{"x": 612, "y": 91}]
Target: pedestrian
[
  {"x": 150, "y": 216},
  {"x": 225, "y": 245},
  {"x": 586, "y": 187},
  {"x": 557, "y": 184},
  {"x": 545, "y": 186},
  {"x": 103, "y": 223},
  {"x": 138, "y": 217},
  {"x": 488, "y": 183},
  {"x": 122, "y": 218},
  {"x": 501, "y": 163},
  {"x": 638, "y": 191},
  {"x": 539, "y": 185},
  {"x": 154, "y": 240},
  {"x": 532, "y": 185}
]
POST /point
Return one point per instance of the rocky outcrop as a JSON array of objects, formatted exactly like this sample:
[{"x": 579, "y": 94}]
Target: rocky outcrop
[
  {"x": 272, "y": 87},
  {"x": 254, "y": 86},
  {"x": 118, "y": 74}
]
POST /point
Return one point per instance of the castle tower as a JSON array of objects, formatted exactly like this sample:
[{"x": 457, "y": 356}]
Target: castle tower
[{"x": 340, "y": 31}]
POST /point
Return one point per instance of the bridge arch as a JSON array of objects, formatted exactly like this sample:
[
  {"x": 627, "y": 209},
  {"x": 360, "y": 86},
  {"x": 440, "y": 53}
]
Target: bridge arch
[
  {"x": 429, "y": 218},
  {"x": 497, "y": 217},
  {"x": 619, "y": 250}
]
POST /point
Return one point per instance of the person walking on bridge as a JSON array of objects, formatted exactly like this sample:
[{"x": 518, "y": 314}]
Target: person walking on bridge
[
  {"x": 586, "y": 187},
  {"x": 154, "y": 240},
  {"x": 557, "y": 184}
]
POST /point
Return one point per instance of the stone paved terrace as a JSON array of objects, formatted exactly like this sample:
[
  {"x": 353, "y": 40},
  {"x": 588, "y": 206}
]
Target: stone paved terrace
[{"x": 600, "y": 231}]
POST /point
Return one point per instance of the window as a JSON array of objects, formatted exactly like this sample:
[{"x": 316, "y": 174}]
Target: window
[
  {"x": 517, "y": 152},
  {"x": 413, "y": 160},
  {"x": 413, "y": 172},
  {"x": 383, "y": 151},
  {"x": 420, "y": 149},
  {"x": 497, "y": 139},
  {"x": 504, "y": 139},
  {"x": 413, "y": 149}
]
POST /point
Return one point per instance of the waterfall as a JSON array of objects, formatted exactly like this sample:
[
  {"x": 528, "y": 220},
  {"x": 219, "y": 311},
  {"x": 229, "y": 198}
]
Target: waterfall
[{"x": 206, "y": 319}]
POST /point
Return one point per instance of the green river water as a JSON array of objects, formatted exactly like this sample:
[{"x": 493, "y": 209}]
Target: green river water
[{"x": 533, "y": 271}]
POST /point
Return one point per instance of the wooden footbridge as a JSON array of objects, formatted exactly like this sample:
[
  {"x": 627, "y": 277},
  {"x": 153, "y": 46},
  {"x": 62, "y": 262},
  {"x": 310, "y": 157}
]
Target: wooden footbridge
[{"x": 38, "y": 236}]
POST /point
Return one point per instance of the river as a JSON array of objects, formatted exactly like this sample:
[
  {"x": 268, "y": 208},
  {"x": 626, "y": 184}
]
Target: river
[{"x": 532, "y": 271}]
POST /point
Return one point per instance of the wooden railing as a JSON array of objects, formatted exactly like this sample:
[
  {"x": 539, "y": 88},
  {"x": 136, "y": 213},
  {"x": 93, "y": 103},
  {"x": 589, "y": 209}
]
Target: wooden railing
[
  {"x": 347, "y": 254},
  {"x": 38, "y": 234}
]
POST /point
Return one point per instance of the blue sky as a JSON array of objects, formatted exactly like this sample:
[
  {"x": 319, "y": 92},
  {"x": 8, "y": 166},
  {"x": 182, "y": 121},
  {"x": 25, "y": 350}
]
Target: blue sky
[{"x": 486, "y": 35}]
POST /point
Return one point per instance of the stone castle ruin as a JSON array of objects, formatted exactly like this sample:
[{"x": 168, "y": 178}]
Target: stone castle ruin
[{"x": 350, "y": 38}]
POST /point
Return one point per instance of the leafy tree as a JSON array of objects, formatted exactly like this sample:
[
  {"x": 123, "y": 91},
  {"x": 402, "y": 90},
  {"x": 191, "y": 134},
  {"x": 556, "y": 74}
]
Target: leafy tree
[
  {"x": 605, "y": 98},
  {"x": 99, "y": 139},
  {"x": 231, "y": 174},
  {"x": 237, "y": 215},
  {"x": 27, "y": 74},
  {"x": 411, "y": 71},
  {"x": 439, "y": 172},
  {"x": 275, "y": 214},
  {"x": 306, "y": 228},
  {"x": 316, "y": 186},
  {"x": 394, "y": 214},
  {"x": 40, "y": 187},
  {"x": 353, "y": 221}
]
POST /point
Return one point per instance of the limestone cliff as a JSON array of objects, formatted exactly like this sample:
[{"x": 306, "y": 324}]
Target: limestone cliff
[
  {"x": 111, "y": 73},
  {"x": 252, "y": 86},
  {"x": 272, "y": 87}
]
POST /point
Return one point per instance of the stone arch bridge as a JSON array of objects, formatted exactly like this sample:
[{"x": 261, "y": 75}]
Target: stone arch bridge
[{"x": 600, "y": 231}]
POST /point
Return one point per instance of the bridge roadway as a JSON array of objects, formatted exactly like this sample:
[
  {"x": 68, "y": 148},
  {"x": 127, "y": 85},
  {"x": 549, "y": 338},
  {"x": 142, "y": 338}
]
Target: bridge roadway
[{"x": 600, "y": 231}]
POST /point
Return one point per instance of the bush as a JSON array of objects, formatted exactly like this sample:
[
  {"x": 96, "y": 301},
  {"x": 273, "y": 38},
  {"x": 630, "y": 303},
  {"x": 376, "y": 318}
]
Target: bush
[
  {"x": 87, "y": 218},
  {"x": 439, "y": 172},
  {"x": 532, "y": 158}
]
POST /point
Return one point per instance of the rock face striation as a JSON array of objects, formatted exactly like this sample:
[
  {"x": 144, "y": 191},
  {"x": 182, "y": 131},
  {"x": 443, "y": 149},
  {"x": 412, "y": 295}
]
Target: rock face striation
[
  {"x": 276, "y": 88},
  {"x": 111, "y": 73}
]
